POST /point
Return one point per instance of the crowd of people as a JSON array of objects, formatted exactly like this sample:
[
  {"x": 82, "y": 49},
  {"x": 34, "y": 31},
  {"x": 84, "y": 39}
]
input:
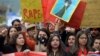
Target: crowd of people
[{"x": 54, "y": 39}]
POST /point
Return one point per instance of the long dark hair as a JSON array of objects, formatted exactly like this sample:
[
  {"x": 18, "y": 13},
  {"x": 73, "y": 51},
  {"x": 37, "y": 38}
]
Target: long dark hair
[
  {"x": 8, "y": 35},
  {"x": 96, "y": 38},
  {"x": 67, "y": 37},
  {"x": 47, "y": 33},
  {"x": 44, "y": 30},
  {"x": 75, "y": 47},
  {"x": 60, "y": 52}
]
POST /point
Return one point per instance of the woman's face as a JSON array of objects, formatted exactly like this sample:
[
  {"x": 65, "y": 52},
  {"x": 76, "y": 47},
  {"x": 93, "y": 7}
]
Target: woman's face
[
  {"x": 96, "y": 44},
  {"x": 83, "y": 40},
  {"x": 55, "y": 42},
  {"x": 12, "y": 32},
  {"x": 71, "y": 40},
  {"x": 20, "y": 40},
  {"x": 51, "y": 28}
]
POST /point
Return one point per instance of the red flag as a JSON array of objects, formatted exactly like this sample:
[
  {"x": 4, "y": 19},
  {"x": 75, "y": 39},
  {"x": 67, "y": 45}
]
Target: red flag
[
  {"x": 44, "y": 6},
  {"x": 77, "y": 16},
  {"x": 50, "y": 17}
]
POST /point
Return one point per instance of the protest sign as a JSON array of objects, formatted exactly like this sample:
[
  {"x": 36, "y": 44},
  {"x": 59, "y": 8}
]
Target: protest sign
[
  {"x": 64, "y": 9},
  {"x": 31, "y": 11}
]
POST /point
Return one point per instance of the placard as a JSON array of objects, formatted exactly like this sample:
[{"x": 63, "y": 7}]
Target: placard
[
  {"x": 32, "y": 11},
  {"x": 64, "y": 9}
]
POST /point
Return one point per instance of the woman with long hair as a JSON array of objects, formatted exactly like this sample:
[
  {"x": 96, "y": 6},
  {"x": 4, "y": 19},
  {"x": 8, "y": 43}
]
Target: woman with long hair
[
  {"x": 70, "y": 40},
  {"x": 18, "y": 44},
  {"x": 55, "y": 46},
  {"x": 12, "y": 31},
  {"x": 81, "y": 46}
]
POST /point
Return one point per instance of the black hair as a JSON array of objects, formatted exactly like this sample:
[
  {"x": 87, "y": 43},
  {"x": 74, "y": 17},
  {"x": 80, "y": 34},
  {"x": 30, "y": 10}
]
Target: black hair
[
  {"x": 67, "y": 37},
  {"x": 44, "y": 30},
  {"x": 97, "y": 37},
  {"x": 98, "y": 29},
  {"x": 61, "y": 51},
  {"x": 16, "y": 20},
  {"x": 75, "y": 47},
  {"x": 8, "y": 35}
]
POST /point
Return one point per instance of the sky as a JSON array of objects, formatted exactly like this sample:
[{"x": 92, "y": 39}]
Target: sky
[{"x": 13, "y": 10}]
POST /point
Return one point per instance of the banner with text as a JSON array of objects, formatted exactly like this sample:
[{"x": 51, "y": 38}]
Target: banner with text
[{"x": 31, "y": 11}]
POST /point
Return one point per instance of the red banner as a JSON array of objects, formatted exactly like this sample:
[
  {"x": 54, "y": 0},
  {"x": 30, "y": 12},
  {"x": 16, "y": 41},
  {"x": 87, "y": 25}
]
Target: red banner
[
  {"x": 30, "y": 54},
  {"x": 44, "y": 6},
  {"x": 48, "y": 16},
  {"x": 27, "y": 54}
]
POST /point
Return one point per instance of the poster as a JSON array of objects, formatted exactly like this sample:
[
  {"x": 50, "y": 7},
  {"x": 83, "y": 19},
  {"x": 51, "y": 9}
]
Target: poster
[
  {"x": 31, "y": 11},
  {"x": 64, "y": 9},
  {"x": 91, "y": 18}
]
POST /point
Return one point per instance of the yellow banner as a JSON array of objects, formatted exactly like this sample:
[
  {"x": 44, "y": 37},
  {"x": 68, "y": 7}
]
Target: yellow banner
[
  {"x": 92, "y": 14},
  {"x": 31, "y": 11}
]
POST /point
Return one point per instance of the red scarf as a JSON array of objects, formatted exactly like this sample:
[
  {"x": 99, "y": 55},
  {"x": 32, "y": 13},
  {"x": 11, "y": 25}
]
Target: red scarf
[{"x": 80, "y": 52}]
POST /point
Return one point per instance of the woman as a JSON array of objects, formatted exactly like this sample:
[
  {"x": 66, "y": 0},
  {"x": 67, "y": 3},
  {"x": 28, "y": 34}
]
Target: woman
[
  {"x": 12, "y": 31},
  {"x": 18, "y": 44},
  {"x": 55, "y": 46},
  {"x": 96, "y": 44},
  {"x": 50, "y": 27},
  {"x": 70, "y": 40},
  {"x": 3, "y": 34},
  {"x": 81, "y": 46},
  {"x": 95, "y": 47}
]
